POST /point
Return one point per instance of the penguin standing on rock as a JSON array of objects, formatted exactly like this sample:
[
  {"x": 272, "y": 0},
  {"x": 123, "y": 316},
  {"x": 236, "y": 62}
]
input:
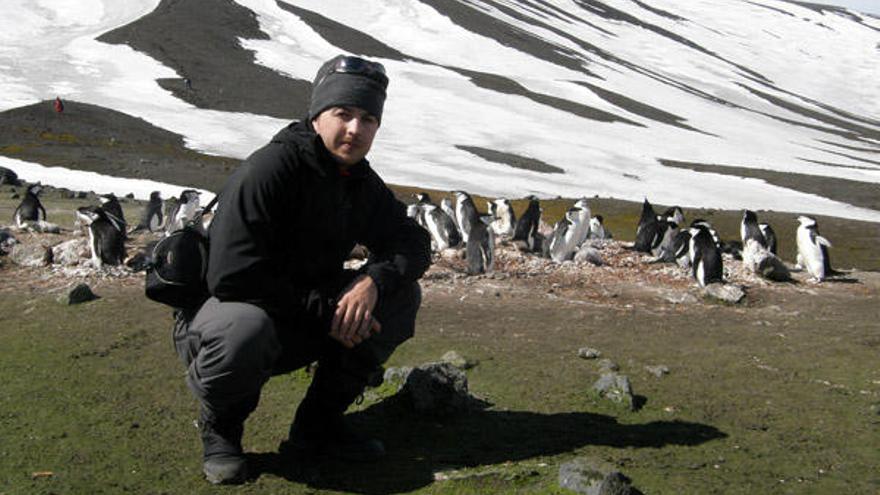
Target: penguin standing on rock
[
  {"x": 706, "y": 262},
  {"x": 106, "y": 240},
  {"x": 30, "y": 209},
  {"x": 813, "y": 249},
  {"x": 526, "y": 235}
]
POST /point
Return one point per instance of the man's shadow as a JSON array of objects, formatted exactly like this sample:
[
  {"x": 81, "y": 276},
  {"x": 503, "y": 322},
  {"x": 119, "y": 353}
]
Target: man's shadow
[{"x": 418, "y": 446}]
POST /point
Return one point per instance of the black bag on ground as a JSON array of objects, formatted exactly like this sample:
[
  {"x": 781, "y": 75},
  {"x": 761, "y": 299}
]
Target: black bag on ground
[{"x": 179, "y": 263}]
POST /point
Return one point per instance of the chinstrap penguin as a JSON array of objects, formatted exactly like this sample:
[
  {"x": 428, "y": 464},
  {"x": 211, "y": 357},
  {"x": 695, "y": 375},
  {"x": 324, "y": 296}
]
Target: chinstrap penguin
[
  {"x": 30, "y": 209},
  {"x": 526, "y": 235},
  {"x": 106, "y": 240}
]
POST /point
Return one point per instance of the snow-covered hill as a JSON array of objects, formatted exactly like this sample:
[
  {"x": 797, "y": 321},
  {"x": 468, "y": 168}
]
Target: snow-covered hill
[{"x": 500, "y": 97}]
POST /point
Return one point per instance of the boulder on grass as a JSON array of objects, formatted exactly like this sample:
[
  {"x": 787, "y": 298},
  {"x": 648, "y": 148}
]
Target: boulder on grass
[{"x": 592, "y": 477}]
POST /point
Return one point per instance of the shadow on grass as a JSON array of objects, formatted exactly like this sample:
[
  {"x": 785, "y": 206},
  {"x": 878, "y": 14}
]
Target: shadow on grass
[{"x": 419, "y": 446}]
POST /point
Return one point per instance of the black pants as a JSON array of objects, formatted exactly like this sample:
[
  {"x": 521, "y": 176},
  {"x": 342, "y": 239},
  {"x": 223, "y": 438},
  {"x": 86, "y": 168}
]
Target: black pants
[{"x": 231, "y": 349}]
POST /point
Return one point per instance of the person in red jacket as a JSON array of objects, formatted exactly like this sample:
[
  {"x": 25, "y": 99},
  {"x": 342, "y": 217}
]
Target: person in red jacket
[{"x": 58, "y": 105}]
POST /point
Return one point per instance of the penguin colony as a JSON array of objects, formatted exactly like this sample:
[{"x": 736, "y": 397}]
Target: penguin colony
[
  {"x": 697, "y": 247},
  {"x": 105, "y": 223},
  {"x": 457, "y": 224}
]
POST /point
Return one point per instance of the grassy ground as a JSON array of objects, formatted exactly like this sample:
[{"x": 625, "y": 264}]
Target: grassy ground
[{"x": 780, "y": 395}]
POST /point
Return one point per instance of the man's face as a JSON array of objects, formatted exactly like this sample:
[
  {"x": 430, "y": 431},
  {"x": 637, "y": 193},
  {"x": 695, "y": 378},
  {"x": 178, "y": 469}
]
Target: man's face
[{"x": 347, "y": 132}]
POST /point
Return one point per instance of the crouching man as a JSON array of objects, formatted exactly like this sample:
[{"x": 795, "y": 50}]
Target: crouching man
[{"x": 285, "y": 223}]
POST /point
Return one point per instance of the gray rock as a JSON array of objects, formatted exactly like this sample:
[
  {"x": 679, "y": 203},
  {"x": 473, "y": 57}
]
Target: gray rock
[
  {"x": 457, "y": 360},
  {"x": 592, "y": 477},
  {"x": 680, "y": 298},
  {"x": 31, "y": 254},
  {"x": 79, "y": 294},
  {"x": 71, "y": 252},
  {"x": 606, "y": 365},
  {"x": 616, "y": 388},
  {"x": 658, "y": 370},
  {"x": 42, "y": 227},
  {"x": 728, "y": 293},
  {"x": 589, "y": 254},
  {"x": 589, "y": 353},
  {"x": 397, "y": 374},
  {"x": 438, "y": 389}
]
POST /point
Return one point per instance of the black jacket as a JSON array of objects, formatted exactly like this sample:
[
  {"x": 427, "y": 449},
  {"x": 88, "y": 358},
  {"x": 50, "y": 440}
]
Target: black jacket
[{"x": 287, "y": 219}]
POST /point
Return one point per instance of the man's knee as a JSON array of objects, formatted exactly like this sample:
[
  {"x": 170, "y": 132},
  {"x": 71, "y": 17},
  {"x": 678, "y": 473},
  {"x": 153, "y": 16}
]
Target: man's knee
[{"x": 237, "y": 349}]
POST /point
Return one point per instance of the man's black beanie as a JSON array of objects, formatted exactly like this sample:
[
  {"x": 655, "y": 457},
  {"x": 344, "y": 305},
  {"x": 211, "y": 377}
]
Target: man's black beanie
[{"x": 333, "y": 89}]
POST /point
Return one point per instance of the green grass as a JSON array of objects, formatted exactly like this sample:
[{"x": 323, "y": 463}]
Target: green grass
[{"x": 95, "y": 395}]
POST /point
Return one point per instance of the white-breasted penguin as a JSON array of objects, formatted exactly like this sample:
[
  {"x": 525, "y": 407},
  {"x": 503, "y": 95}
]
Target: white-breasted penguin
[
  {"x": 106, "y": 240},
  {"x": 184, "y": 211},
  {"x": 581, "y": 224},
  {"x": 30, "y": 209},
  {"x": 753, "y": 241},
  {"x": 558, "y": 248},
  {"x": 504, "y": 221},
  {"x": 526, "y": 235},
  {"x": 151, "y": 217},
  {"x": 465, "y": 214},
  {"x": 444, "y": 233},
  {"x": 597, "y": 228},
  {"x": 480, "y": 247},
  {"x": 706, "y": 262},
  {"x": 813, "y": 249}
]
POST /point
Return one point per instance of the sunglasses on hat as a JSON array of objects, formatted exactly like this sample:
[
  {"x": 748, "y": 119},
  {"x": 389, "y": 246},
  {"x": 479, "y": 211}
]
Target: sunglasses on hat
[{"x": 359, "y": 66}]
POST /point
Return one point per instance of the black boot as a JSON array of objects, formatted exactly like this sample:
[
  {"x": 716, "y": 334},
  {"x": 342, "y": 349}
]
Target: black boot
[
  {"x": 319, "y": 427},
  {"x": 223, "y": 461}
]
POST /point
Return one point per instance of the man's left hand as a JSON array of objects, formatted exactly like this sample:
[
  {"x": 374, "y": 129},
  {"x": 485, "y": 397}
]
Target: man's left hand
[{"x": 353, "y": 320}]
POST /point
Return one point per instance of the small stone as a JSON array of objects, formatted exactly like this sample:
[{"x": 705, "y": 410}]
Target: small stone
[
  {"x": 616, "y": 388},
  {"x": 680, "y": 298},
  {"x": 591, "y": 477},
  {"x": 79, "y": 294},
  {"x": 457, "y": 360},
  {"x": 606, "y": 365},
  {"x": 397, "y": 374},
  {"x": 658, "y": 370},
  {"x": 589, "y": 353},
  {"x": 728, "y": 293}
]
